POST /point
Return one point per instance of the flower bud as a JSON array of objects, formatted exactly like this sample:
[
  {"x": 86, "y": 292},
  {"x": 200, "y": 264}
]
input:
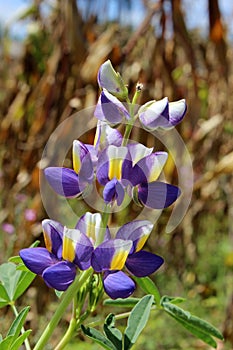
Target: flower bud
[{"x": 110, "y": 80}]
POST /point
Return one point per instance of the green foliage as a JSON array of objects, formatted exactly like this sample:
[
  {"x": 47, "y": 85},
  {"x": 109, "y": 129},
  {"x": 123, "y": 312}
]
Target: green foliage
[
  {"x": 149, "y": 287},
  {"x": 13, "y": 283},
  {"x": 137, "y": 320},
  {"x": 129, "y": 302},
  {"x": 198, "y": 327},
  {"x": 13, "y": 339},
  {"x": 113, "y": 339}
]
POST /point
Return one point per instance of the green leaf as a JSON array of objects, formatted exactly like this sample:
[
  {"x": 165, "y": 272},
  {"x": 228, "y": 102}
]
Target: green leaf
[
  {"x": 197, "y": 322},
  {"x": 129, "y": 302},
  {"x": 15, "y": 259},
  {"x": 172, "y": 300},
  {"x": 149, "y": 287},
  {"x": 24, "y": 282},
  {"x": 6, "y": 343},
  {"x": 17, "y": 324},
  {"x": 98, "y": 337},
  {"x": 9, "y": 278},
  {"x": 19, "y": 341},
  {"x": 198, "y": 327},
  {"x": 4, "y": 298},
  {"x": 58, "y": 293},
  {"x": 1, "y": 338},
  {"x": 111, "y": 332},
  {"x": 137, "y": 320},
  {"x": 197, "y": 332}
]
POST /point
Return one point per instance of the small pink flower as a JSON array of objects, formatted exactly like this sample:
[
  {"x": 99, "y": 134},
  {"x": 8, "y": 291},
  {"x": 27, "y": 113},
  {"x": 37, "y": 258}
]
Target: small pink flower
[
  {"x": 8, "y": 228},
  {"x": 30, "y": 214}
]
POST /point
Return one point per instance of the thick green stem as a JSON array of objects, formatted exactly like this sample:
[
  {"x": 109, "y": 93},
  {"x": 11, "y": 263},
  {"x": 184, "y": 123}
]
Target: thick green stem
[
  {"x": 26, "y": 342},
  {"x": 65, "y": 301}
]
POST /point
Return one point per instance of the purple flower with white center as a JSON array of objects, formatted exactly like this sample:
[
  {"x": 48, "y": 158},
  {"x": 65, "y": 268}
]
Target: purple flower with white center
[
  {"x": 111, "y": 256},
  {"x": 162, "y": 114},
  {"x": 65, "y": 251},
  {"x": 110, "y": 80},
  {"x": 137, "y": 168}
]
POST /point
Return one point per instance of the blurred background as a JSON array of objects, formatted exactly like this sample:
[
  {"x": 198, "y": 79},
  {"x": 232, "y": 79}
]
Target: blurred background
[{"x": 50, "y": 52}]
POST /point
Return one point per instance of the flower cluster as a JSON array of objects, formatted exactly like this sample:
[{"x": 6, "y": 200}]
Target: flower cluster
[
  {"x": 70, "y": 249},
  {"x": 132, "y": 169},
  {"x": 121, "y": 169}
]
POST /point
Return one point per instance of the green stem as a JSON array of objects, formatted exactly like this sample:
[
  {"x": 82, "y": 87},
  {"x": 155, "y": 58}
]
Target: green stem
[
  {"x": 26, "y": 342},
  {"x": 126, "y": 134},
  {"x": 66, "y": 299},
  {"x": 132, "y": 119}
]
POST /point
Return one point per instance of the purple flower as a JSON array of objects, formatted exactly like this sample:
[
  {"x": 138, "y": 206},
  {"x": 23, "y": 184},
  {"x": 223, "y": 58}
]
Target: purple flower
[
  {"x": 65, "y": 251},
  {"x": 162, "y": 114},
  {"x": 152, "y": 115},
  {"x": 110, "y": 257},
  {"x": 110, "y": 109},
  {"x": 110, "y": 80},
  {"x": 136, "y": 168},
  {"x": 73, "y": 182}
]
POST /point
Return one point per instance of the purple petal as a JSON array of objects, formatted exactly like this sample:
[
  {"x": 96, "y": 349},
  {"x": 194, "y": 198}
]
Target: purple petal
[
  {"x": 105, "y": 136},
  {"x": 63, "y": 181},
  {"x": 111, "y": 255},
  {"x": 109, "y": 108},
  {"x": 143, "y": 263},
  {"x": 77, "y": 248},
  {"x": 53, "y": 233},
  {"x": 113, "y": 190},
  {"x": 60, "y": 276},
  {"x": 118, "y": 285},
  {"x": 177, "y": 111},
  {"x": 157, "y": 195},
  {"x": 137, "y": 231},
  {"x": 102, "y": 168},
  {"x": 37, "y": 259},
  {"x": 149, "y": 168},
  {"x": 154, "y": 114}
]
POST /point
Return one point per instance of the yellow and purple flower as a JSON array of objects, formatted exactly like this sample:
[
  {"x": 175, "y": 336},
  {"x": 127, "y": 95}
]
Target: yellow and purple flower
[
  {"x": 72, "y": 183},
  {"x": 111, "y": 256},
  {"x": 136, "y": 169},
  {"x": 65, "y": 252}
]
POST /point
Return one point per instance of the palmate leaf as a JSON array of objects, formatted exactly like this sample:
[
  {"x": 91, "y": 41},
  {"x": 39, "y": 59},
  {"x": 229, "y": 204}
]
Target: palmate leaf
[
  {"x": 9, "y": 278},
  {"x": 13, "y": 282},
  {"x": 137, "y": 320},
  {"x": 198, "y": 327}
]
